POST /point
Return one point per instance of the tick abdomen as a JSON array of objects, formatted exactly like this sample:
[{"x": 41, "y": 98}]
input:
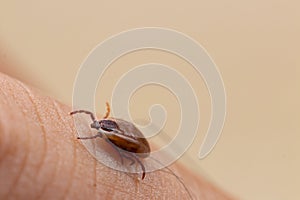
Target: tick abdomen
[
  {"x": 131, "y": 139},
  {"x": 136, "y": 146}
]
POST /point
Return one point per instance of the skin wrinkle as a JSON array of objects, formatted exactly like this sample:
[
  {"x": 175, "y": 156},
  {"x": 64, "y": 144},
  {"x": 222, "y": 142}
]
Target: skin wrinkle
[
  {"x": 34, "y": 104},
  {"x": 115, "y": 181},
  {"x": 51, "y": 177},
  {"x": 95, "y": 185},
  {"x": 75, "y": 163},
  {"x": 25, "y": 151},
  {"x": 44, "y": 132},
  {"x": 137, "y": 190},
  {"x": 124, "y": 190},
  {"x": 178, "y": 179},
  {"x": 49, "y": 181},
  {"x": 43, "y": 191},
  {"x": 85, "y": 168},
  {"x": 59, "y": 112},
  {"x": 4, "y": 154},
  {"x": 153, "y": 188}
]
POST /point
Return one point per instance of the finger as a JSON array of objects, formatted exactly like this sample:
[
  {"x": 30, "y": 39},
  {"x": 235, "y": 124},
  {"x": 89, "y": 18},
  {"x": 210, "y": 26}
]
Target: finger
[{"x": 40, "y": 157}]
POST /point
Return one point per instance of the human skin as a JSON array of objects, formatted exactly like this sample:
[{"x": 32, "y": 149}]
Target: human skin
[{"x": 40, "y": 157}]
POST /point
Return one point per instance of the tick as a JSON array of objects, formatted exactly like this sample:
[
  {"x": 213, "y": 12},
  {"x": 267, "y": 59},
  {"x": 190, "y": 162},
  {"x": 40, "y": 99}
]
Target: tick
[{"x": 123, "y": 136}]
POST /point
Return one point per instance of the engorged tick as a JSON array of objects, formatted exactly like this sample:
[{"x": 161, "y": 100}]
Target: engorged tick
[{"x": 124, "y": 137}]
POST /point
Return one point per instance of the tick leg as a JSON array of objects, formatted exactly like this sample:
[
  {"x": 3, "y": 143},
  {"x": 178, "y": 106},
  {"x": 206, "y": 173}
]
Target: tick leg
[
  {"x": 90, "y": 137},
  {"x": 107, "y": 111},
  {"x": 139, "y": 161},
  {"x": 129, "y": 158},
  {"x": 121, "y": 154},
  {"x": 84, "y": 111}
]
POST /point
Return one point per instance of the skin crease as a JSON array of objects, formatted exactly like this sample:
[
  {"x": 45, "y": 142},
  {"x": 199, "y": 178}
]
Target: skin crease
[{"x": 40, "y": 157}]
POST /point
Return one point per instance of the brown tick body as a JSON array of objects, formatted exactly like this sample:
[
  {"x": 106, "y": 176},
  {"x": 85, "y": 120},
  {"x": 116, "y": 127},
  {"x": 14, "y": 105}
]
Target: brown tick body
[{"x": 122, "y": 135}]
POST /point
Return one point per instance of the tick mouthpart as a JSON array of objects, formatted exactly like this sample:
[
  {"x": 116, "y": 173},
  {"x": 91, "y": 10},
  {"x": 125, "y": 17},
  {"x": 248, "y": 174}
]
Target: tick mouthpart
[{"x": 95, "y": 125}]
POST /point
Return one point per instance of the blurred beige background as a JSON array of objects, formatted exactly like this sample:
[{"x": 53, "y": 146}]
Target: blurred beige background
[{"x": 255, "y": 44}]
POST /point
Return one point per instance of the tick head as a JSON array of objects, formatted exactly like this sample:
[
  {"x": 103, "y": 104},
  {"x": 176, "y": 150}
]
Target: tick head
[
  {"x": 95, "y": 125},
  {"x": 109, "y": 125}
]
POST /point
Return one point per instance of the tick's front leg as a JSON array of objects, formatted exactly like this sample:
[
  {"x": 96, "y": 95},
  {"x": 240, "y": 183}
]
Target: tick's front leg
[
  {"x": 90, "y": 137},
  {"x": 84, "y": 111}
]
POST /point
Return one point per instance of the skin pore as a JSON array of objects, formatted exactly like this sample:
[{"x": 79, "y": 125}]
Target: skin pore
[{"x": 40, "y": 157}]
